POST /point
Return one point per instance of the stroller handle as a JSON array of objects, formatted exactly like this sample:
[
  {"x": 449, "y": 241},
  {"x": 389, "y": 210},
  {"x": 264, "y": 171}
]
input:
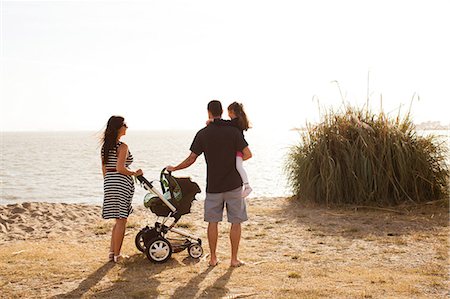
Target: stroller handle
[
  {"x": 144, "y": 181},
  {"x": 165, "y": 169},
  {"x": 169, "y": 187},
  {"x": 149, "y": 187},
  {"x": 148, "y": 184}
]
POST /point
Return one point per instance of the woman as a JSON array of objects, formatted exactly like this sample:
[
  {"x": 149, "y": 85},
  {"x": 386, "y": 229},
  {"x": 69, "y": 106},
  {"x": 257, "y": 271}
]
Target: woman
[{"x": 118, "y": 184}]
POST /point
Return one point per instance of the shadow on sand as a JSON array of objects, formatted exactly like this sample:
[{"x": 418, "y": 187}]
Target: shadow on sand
[
  {"x": 192, "y": 287},
  {"x": 88, "y": 283},
  {"x": 135, "y": 279},
  {"x": 216, "y": 290},
  {"x": 360, "y": 222}
]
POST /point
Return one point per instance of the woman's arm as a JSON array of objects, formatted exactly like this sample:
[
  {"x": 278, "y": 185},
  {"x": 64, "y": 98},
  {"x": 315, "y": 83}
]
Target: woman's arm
[
  {"x": 103, "y": 165},
  {"x": 122, "y": 153},
  {"x": 234, "y": 122},
  {"x": 223, "y": 122}
]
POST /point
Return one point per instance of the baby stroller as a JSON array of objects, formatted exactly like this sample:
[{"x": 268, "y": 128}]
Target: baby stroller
[{"x": 174, "y": 201}]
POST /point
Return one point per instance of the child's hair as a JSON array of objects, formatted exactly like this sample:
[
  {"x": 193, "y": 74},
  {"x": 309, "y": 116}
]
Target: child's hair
[{"x": 238, "y": 110}]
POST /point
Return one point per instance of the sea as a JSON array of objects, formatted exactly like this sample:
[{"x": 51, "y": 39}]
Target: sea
[{"x": 65, "y": 167}]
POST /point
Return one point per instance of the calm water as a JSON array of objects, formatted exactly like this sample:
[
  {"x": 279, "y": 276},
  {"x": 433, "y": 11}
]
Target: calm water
[{"x": 65, "y": 166}]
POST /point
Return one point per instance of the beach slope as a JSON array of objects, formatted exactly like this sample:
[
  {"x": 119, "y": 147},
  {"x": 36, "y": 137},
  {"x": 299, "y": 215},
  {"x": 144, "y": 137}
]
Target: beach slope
[{"x": 291, "y": 250}]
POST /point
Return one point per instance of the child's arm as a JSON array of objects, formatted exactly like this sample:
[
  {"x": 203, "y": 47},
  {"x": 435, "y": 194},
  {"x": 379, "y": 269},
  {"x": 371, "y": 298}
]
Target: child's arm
[
  {"x": 225, "y": 122},
  {"x": 222, "y": 122}
]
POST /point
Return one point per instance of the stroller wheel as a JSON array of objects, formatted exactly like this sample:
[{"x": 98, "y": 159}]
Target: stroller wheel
[
  {"x": 158, "y": 250},
  {"x": 139, "y": 241},
  {"x": 195, "y": 251}
]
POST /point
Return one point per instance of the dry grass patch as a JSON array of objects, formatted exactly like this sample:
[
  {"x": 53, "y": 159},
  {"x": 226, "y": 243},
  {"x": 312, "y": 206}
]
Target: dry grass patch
[{"x": 339, "y": 253}]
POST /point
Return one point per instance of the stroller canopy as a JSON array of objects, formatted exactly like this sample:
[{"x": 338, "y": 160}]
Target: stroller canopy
[{"x": 180, "y": 192}]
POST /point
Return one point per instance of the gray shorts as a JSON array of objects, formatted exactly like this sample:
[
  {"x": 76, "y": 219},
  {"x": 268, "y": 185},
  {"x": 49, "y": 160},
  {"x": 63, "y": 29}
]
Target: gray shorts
[{"x": 232, "y": 200}]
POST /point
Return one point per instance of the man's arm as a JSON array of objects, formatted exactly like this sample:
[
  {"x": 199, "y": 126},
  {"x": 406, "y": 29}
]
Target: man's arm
[
  {"x": 246, "y": 153},
  {"x": 185, "y": 164}
]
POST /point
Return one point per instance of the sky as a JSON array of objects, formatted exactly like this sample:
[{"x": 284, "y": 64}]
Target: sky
[{"x": 70, "y": 65}]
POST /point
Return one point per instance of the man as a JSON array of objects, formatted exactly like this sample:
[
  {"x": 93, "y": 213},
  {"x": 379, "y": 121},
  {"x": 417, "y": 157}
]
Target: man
[{"x": 223, "y": 182}]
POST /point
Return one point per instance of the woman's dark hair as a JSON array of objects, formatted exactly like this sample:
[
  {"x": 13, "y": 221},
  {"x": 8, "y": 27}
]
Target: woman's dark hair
[
  {"x": 110, "y": 136},
  {"x": 215, "y": 107},
  {"x": 238, "y": 110}
]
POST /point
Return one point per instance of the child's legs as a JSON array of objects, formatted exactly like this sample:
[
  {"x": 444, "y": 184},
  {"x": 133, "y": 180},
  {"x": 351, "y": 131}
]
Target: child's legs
[{"x": 241, "y": 170}]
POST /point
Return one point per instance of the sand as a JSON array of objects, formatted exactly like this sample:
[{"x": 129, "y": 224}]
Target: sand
[
  {"x": 33, "y": 220},
  {"x": 291, "y": 250}
]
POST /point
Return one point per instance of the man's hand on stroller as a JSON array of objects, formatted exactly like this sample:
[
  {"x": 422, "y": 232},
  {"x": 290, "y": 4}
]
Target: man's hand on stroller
[
  {"x": 139, "y": 172},
  {"x": 185, "y": 164}
]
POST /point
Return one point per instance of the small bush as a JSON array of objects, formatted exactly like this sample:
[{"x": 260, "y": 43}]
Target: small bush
[{"x": 357, "y": 157}]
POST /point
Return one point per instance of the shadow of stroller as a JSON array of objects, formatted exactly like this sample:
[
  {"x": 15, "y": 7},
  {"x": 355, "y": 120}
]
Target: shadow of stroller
[
  {"x": 137, "y": 278},
  {"x": 88, "y": 283}
]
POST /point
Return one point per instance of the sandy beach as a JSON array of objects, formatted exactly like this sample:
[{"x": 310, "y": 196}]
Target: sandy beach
[{"x": 291, "y": 250}]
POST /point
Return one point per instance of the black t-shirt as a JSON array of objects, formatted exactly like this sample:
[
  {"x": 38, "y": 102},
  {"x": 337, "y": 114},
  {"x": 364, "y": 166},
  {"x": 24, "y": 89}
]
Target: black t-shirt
[
  {"x": 232, "y": 122},
  {"x": 220, "y": 144}
]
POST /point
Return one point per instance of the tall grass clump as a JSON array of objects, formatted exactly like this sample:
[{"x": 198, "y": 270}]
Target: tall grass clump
[{"x": 357, "y": 157}]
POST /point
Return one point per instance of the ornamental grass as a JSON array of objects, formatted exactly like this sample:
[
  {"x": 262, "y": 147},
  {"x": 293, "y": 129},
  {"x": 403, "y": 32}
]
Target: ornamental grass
[{"x": 358, "y": 157}]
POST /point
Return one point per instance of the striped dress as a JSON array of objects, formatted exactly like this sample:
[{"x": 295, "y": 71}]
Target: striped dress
[{"x": 118, "y": 188}]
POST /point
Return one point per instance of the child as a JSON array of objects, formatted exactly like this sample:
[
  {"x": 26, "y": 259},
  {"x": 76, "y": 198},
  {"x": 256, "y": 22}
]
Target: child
[{"x": 238, "y": 119}]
